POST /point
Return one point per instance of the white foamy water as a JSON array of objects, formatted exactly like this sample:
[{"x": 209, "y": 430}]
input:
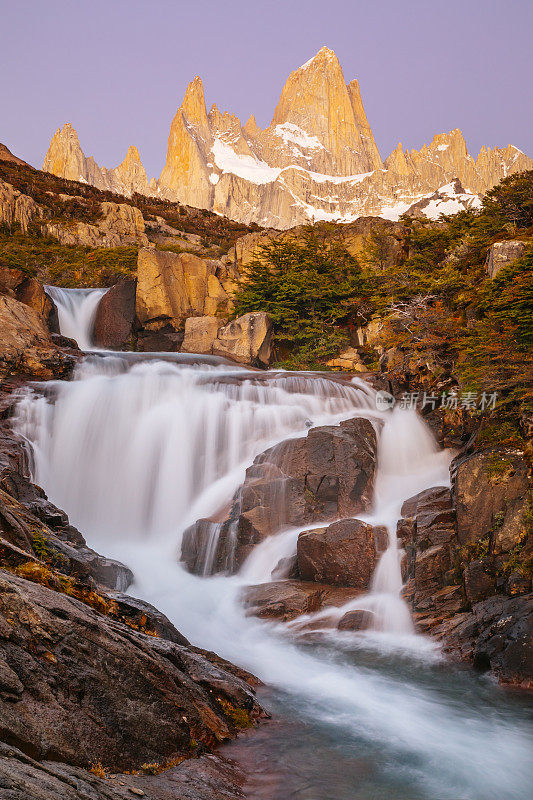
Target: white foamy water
[
  {"x": 137, "y": 451},
  {"x": 76, "y": 309}
]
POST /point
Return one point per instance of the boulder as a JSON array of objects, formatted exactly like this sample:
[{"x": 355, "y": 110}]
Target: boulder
[
  {"x": 11, "y": 278},
  {"x": 195, "y": 544},
  {"x": 355, "y": 621},
  {"x": 490, "y": 491},
  {"x": 502, "y": 253},
  {"x": 82, "y": 687},
  {"x": 334, "y": 467},
  {"x": 283, "y": 600},
  {"x": 343, "y": 554},
  {"x": 318, "y": 478},
  {"x": 427, "y": 533},
  {"x": 200, "y": 334},
  {"x": 288, "y": 599},
  {"x": 115, "y": 315},
  {"x": 247, "y": 339},
  {"x": 28, "y": 290}
]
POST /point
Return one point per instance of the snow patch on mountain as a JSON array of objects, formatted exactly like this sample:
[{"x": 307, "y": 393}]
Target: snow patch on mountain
[
  {"x": 246, "y": 167},
  {"x": 293, "y": 134}
]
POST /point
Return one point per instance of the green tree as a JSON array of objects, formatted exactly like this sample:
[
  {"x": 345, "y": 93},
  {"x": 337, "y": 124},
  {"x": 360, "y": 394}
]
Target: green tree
[{"x": 312, "y": 288}]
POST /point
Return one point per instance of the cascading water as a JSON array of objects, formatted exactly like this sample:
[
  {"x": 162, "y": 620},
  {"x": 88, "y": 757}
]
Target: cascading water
[
  {"x": 136, "y": 450},
  {"x": 76, "y": 309}
]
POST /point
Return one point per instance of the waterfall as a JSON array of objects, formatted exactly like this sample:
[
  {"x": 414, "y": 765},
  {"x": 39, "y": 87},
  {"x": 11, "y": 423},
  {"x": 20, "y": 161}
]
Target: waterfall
[
  {"x": 76, "y": 310},
  {"x": 136, "y": 449},
  {"x": 174, "y": 439}
]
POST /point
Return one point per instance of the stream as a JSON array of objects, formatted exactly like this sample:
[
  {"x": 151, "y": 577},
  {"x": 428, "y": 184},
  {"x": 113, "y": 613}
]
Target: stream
[{"x": 137, "y": 447}]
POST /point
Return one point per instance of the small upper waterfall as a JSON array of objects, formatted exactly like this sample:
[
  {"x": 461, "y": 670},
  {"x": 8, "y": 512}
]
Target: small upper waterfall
[{"x": 76, "y": 310}]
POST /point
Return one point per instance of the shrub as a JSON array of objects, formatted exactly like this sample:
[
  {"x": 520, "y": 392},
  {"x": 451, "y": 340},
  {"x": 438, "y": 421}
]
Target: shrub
[{"x": 312, "y": 289}]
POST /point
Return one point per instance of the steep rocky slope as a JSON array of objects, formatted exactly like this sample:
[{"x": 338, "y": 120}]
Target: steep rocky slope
[{"x": 317, "y": 160}]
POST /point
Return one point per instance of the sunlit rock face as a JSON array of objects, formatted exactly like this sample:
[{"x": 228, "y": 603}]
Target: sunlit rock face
[
  {"x": 66, "y": 159},
  {"x": 317, "y": 160}
]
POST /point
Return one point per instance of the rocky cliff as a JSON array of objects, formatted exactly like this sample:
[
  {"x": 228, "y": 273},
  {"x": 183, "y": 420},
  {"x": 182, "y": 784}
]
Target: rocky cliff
[
  {"x": 65, "y": 158},
  {"x": 317, "y": 160}
]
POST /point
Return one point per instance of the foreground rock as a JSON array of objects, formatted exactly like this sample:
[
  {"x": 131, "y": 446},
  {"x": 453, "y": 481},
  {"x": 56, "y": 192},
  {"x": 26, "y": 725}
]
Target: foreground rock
[
  {"x": 318, "y": 478},
  {"x": 204, "y": 778},
  {"x": 344, "y": 554},
  {"x": 79, "y": 687}
]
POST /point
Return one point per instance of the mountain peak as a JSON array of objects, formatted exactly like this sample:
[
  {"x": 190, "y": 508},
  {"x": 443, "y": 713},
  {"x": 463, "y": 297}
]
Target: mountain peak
[
  {"x": 318, "y": 107},
  {"x": 67, "y": 131},
  {"x": 193, "y": 105},
  {"x": 251, "y": 128},
  {"x": 132, "y": 154},
  {"x": 324, "y": 55}
]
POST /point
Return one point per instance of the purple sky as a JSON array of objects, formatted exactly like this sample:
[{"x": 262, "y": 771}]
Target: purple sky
[{"x": 117, "y": 69}]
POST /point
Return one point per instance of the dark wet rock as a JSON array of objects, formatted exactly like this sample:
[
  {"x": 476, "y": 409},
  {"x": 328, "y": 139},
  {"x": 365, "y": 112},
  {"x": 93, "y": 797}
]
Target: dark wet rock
[
  {"x": 335, "y": 466},
  {"x": 490, "y": 492},
  {"x": 286, "y": 568},
  {"x": 479, "y": 583},
  {"x": 427, "y": 534},
  {"x": 195, "y": 543},
  {"x": 343, "y": 554},
  {"x": 282, "y": 599},
  {"x": 115, "y": 315},
  {"x": 65, "y": 341},
  {"x": 317, "y": 478},
  {"x": 459, "y": 586},
  {"x": 497, "y": 635},
  {"x": 143, "y": 616},
  {"x": 286, "y": 600},
  {"x": 355, "y": 621},
  {"x": 428, "y": 503},
  {"x": 165, "y": 340},
  {"x": 95, "y": 689}
]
